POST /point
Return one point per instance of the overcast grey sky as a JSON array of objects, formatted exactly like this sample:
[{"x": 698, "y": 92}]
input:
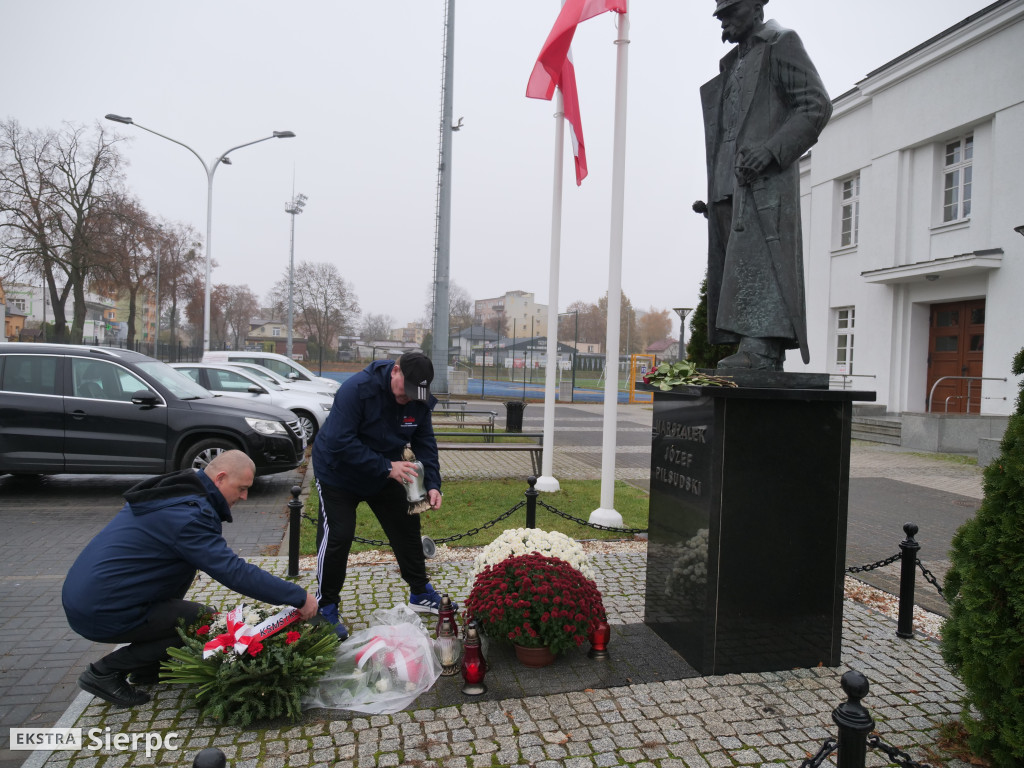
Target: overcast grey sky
[{"x": 360, "y": 85}]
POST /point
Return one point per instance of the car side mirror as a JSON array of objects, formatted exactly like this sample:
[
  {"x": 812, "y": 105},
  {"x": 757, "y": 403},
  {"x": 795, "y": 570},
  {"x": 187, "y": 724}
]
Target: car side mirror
[
  {"x": 144, "y": 397},
  {"x": 256, "y": 389}
]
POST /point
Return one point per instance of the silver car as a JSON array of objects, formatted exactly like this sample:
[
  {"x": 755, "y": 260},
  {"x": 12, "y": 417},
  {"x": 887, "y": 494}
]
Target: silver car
[
  {"x": 310, "y": 408},
  {"x": 283, "y": 382}
]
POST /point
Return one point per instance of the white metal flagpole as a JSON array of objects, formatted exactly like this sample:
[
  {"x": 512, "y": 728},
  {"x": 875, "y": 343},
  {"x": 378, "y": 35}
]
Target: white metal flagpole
[
  {"x": 606, "y": 514},
  {"x": 547, "y": 480}
]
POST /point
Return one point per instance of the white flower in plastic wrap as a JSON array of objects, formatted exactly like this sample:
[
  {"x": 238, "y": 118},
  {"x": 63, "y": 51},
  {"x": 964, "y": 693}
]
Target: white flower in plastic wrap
[{"x": 522, "y": 541}]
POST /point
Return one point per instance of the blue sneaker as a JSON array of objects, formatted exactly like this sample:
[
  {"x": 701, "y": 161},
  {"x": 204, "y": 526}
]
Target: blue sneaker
[
  {"x": 329, "y": 613},
  {"x": 427, "y": 601}
]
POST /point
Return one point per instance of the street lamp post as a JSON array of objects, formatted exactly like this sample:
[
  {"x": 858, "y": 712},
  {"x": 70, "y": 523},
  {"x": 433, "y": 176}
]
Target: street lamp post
[
  {"x": 210, "y": 170},
  {"x": 682, "y": 312},
  {"x": 293, "y": 208},
  {"x": 156, "y": 341}
]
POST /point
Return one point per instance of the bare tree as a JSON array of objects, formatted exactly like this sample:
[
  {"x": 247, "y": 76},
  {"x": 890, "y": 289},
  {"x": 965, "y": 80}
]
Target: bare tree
[
  {"x": 460, "y": 308},
  {"x": 127, "y": 235},
  {"x": 591, "y": 323},
  {"x": 376, "y": 327},
  {"x": 325, "y": 304},
  {"x": 53, "y": 185},
  {"x": 629, "y": 336},
  {"x": 239, "y": 309},
  {"x": 181, "y": 265},
  {"x": 654, "y": 325}
]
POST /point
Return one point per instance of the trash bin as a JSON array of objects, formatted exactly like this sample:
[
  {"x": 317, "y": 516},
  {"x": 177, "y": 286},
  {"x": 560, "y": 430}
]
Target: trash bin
[{"x": 514, "y": 415}]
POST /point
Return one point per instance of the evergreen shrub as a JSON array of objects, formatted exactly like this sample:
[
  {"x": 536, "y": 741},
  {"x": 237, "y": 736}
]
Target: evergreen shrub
[{"x": 983, "y": 640}]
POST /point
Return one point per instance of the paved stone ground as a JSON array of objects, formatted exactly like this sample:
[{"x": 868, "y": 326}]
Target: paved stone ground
[
  {"x": 670, "y": 719},
  {"x": 46, "y": 522},
  {"x": 660, "y": 717}
]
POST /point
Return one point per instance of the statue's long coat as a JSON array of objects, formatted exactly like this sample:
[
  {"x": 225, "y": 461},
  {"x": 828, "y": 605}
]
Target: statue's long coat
[{"x": 783, "y": 108}]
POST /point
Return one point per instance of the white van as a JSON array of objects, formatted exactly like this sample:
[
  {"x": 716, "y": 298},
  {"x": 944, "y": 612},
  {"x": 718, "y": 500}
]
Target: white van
[{"x": 279, "y": 364}]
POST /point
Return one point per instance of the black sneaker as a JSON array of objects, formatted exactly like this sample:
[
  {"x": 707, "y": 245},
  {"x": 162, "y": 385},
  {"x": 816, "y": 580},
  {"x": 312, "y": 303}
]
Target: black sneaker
[{"x": 113, "y": 688}]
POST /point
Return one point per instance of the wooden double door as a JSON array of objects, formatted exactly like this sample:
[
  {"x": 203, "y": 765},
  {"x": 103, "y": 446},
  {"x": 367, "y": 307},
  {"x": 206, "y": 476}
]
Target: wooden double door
[{"x": 956, "y": 346}]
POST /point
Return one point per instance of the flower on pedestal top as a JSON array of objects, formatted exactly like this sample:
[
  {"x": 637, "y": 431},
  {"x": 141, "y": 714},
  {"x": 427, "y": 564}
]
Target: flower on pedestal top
[{"x": 535, "y": 601}]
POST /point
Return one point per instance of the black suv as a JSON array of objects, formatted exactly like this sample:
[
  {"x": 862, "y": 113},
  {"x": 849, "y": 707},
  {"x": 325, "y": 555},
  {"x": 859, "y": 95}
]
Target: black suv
[{"x": 81, "y": 409}]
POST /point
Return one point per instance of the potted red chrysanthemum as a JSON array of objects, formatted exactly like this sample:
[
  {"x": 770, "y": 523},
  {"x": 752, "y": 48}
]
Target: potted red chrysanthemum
[{"x": 535, "y": 602}]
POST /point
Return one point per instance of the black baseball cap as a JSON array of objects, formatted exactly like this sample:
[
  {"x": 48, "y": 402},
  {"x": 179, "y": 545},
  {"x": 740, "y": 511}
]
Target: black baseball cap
[{"x": 418, "y": 372}]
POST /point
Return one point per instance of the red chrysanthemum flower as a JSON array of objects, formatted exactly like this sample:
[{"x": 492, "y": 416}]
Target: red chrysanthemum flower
[{"x": 535, "y": 600}]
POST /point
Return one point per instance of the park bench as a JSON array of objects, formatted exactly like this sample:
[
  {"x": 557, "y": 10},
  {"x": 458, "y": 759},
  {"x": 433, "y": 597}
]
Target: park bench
[
  {"x": 482, "y": 420},
  {"x": 488, "y": 442}
]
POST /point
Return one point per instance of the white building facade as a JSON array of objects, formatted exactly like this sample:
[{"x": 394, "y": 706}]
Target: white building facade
[{"x": 910, "y": 202}]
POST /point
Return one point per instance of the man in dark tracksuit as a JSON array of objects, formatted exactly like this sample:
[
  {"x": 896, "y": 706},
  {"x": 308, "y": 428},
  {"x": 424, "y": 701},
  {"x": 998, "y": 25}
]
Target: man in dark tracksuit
[
  {"x": 357, "y": 456},
  {"x": 128, "y": 584}
]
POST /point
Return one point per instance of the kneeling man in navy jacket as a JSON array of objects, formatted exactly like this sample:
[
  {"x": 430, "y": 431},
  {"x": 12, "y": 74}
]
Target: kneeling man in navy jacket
[{"x": 128, "y": 584}]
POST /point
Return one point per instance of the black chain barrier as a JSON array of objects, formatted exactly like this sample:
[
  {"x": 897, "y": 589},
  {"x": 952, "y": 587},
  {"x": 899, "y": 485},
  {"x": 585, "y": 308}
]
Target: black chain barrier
[
  {"x": 930, "y": 578},
  {"x": 908, "y": 548},
  {"x": 454, "y": 537},
  {"x": 895, "y": 755},
  {"x": 827, "y": 749},
  {"x": 855, "y": 726},
  {"x": 595, "y": 526},
  {"x": 873, "y": 566}
]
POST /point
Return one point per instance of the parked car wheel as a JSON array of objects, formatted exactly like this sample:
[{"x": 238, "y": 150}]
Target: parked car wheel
[
  {"x": 308, "y": 424},
  {"x": 203, "y": 452}
]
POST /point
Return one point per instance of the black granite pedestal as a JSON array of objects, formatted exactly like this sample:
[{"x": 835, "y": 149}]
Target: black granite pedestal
[{"x": 746, "y": 551}]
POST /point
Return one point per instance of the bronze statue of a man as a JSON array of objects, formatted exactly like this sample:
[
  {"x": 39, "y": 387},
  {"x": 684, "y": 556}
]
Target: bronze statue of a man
[{"x": 765, "y": 109}]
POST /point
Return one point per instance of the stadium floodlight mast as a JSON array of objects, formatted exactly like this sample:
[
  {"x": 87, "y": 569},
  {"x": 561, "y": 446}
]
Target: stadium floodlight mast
[
  {"x": 293, "y": 208},
  {"x": 210, "y": 170}
]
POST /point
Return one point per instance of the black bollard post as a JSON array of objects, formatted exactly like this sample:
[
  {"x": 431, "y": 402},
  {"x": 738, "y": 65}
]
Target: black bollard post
[
  {"x": 531, "y": 502},
  {"x": 854, "y": 722},
  {"x": 294, "y": 518},
  {"x": 908, "y": 563},
  {"x": 211, "y": 757}
]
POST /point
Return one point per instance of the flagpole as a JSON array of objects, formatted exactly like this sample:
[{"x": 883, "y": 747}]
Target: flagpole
[
  {"x": 606, "y": 513},
  {"x": 547, "y": 481}
]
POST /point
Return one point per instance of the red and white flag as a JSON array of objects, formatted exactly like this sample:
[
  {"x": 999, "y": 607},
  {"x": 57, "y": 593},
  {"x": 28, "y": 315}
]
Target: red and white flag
[
  {"x": 571, "y": 110},
  {"x": 554, "y": 68}
]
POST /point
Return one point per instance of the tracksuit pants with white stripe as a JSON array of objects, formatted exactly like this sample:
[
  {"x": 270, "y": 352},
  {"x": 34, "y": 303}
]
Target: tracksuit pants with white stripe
[{"x": 336, "y": 526}]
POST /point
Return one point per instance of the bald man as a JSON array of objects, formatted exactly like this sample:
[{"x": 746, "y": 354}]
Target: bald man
[{"x": 128, "y": 584}]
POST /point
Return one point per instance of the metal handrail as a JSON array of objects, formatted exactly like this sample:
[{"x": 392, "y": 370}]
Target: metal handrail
[
  {"x": 969, "y": 379},
  {"x": 845, "y": 376}
]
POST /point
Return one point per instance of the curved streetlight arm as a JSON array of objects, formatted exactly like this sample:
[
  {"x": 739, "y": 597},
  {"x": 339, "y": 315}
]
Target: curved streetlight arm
[
  {"x": 129, "y": 121},
  {"x": 210, "y": 170}
]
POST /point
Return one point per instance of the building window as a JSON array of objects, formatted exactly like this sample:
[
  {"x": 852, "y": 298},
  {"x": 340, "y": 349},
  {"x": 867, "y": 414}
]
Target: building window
[
  {"x": 844, "y": 340},
  {"x": 16, "y": 303},
  {"x": 956, "y": 175},
  {"x": 849, "y": 212},
  {"x": 276, "y": 331}
]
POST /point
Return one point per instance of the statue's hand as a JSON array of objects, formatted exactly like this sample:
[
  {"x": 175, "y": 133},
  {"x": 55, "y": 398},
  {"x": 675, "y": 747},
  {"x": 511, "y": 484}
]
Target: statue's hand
[
  {"x": 701, "y": 207},
  {"x": 751, "y": 164}
]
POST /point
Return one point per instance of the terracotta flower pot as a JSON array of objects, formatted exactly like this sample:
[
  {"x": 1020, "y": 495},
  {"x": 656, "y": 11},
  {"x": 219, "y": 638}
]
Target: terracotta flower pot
[{"x": 534, "y": 657}]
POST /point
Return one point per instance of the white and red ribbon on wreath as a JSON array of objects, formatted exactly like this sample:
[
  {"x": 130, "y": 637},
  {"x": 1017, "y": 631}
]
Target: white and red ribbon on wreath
[{"x": 240, "y": 635}]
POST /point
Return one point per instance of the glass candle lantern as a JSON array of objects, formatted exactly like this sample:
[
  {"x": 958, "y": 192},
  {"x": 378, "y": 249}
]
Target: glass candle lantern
[
  {"x": 599, "y": 638},
  {"x": 446, "y": 614},
  {"x": 449, "y": 648},
  {"x": 474, "y": 666}
]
